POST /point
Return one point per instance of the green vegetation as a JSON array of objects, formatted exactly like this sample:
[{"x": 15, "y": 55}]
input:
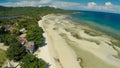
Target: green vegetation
[
  {"x": 24, "y": 17},
  {"x": 8, "y": 32},
  {"x": 118, "y": 54},
  {"x": 84, "y": 56},
  {"x": 116, "y": 42},
  {"x": 35, "y": 34},
  {"x": 113, "y": 44},
  {"x": 73, "y": 33},
  {"x": 16, "y": 51},
  {"x": 30, "y": 11},
  {"x": 11, "y": 38},
  {"x": 92, "y": 32},
  {"x": 2, "y": 57},
  {"x": 55, "y": 28},
  {"x": 30, "y": 61},
  {"x": 77, "y": 36}
]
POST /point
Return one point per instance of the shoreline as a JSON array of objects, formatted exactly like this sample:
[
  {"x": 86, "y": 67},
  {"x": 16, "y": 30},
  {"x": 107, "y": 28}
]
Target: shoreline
[
  {"x": 62, "y": 42},
  {"x": 57, "y": 48},
  {"x": 104, "y": 29}
]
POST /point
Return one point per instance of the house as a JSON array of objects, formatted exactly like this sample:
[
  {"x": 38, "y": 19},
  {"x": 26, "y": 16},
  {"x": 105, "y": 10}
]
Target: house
[
  {"x": 22, "y": 39},
  {"x": 30, "y": 46},
  {"x": 8, "y": 27},
  {"x": 23, "y": 30}
]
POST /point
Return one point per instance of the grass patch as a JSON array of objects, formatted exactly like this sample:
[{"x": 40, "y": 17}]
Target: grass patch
[
  {"x": 55, "y": 28},
  {"x": 73, "y": 33},
  {"x": 77, "y": 36},
  {"x": 88, "y": 60},
  {"x": 116, "y": 42},
  {"x": 66, "y": 29},
  {"x": 92, "y": 32},
  {"x": 118, "y": 55},
  {"x": 58, "y": 60},
  {"x": 94, "y": 41},
  {"x": 63, "y": 35},
  {"x": 2, "y": 57},
  {"x": 113, "y": 44}
]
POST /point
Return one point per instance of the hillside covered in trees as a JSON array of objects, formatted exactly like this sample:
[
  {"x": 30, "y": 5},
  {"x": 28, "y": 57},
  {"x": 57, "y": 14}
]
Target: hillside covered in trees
[{"x": 29, "y": 11}]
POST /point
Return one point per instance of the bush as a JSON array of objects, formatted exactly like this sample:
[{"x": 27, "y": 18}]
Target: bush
[
  {"x": 30, "y": 61},
  {"x": 9, "y": 38},
  {"x": 16, "y": 51},
  {"x": 35, "y": 34}
]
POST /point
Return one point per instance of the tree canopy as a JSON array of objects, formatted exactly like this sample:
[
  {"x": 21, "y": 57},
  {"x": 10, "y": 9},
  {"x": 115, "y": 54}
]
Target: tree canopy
[
  {"x": 30, "y": 11},
  {"x": 24, "y": 17},
  {"x": 30, "y": 61},
  {"x": 16, "y": 51},
  {"x": 35, "y": 34},
  {"x": 10, "y": 38}
]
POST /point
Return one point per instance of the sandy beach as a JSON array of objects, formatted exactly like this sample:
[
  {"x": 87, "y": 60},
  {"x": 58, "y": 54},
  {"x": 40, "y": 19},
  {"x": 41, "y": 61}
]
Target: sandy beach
[
  {"x": 69, "y": 46},
  {"x": 3, "y": 47}
]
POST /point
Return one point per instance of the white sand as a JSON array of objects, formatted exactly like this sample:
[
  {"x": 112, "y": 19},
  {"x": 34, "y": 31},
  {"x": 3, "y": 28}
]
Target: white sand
[
  {"x": 58, "y": 52},
  {"x": 43, "y": 52},
  {"x": 11, "y": 63},
  {"x": 3, "y": 47}
]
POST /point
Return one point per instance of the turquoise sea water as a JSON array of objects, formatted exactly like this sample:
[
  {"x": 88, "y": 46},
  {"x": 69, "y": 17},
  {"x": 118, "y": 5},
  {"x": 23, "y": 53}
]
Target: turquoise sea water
[{"x": 106, "y": 22}]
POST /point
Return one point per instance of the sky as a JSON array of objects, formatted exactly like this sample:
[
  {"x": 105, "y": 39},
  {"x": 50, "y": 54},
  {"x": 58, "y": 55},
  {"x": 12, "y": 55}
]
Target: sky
[{"x": 93, "y": 5}]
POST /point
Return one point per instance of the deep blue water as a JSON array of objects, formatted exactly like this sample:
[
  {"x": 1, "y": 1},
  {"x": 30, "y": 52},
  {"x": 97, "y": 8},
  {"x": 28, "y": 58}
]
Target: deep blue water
[{"x": 110, "y": 20}]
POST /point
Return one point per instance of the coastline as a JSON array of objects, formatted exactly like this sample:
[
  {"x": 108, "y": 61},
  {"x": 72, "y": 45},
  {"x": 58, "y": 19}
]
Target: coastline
[
  {"x": 61, "y": 55},
  {"x": 68, "y": 46}
]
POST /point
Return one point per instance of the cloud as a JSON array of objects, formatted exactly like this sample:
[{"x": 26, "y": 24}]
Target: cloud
[
  {"x": 107, "y": 7},
  {"x": 91, "y": 4},
  {"x": 21, "y": 3},
  {"x": 26, "y": 3},
  {"x": 108, "y": 4},
  {"x": 45, "y": 1},
  {"x": 65, "y": 5}
]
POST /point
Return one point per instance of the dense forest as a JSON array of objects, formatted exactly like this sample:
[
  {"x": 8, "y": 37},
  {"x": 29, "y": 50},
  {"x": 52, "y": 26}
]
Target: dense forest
[{"x": 29, "y": 11}]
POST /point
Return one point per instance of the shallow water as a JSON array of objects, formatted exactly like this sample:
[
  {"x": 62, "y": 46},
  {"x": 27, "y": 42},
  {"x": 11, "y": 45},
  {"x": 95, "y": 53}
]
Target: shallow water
[{"x": 108, "y": 23}]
